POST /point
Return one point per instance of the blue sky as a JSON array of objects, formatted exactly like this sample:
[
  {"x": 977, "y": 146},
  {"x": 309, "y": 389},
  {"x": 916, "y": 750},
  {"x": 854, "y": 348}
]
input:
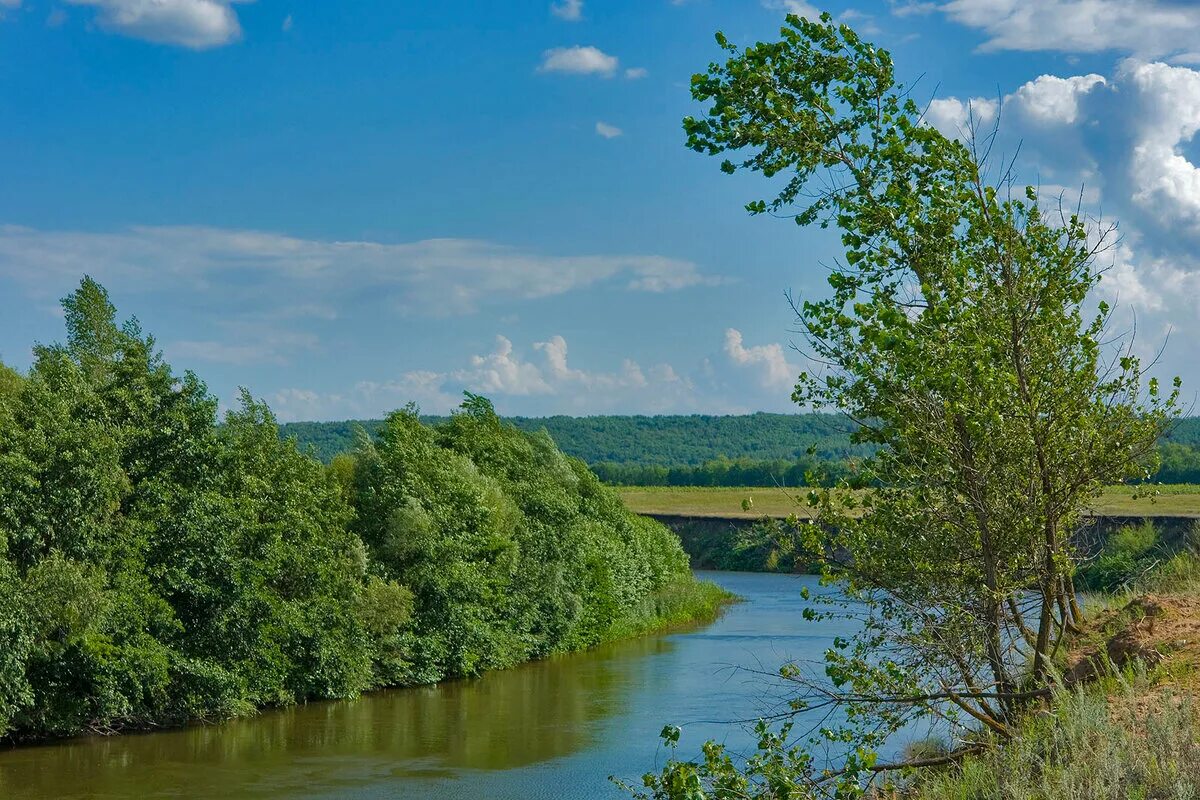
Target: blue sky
[{"x": 347, "y": 206}]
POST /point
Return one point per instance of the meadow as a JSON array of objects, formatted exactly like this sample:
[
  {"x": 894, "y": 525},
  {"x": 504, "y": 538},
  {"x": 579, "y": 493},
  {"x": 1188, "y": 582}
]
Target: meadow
[{"x": 1177, "y": 500}]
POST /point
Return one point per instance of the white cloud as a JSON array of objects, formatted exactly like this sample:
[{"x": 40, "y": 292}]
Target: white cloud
[
  {"x": 198, "y": 24},
  {"x": 434, "y": 277},
  {"x": 636, "y": 73},
  {"x": 570, "y": 10},
  {"x": 1049, "y": 99},
  {"x": 287, "y": 23},
  {"x": 504, "y": 374},
  {"x": 953, "y": 117},
  {"x": 608, "y": 131},
  {"x": 1127, "y": 282},
  {"x": 1128, "y": 141},
  {"x": 1165, "y": 115},
  {"x": 1070, "y": 196},
  {"x": 224, "y": 352},
  {"x": 797, "y": 7},
  {"x": 912, "y": 7},
  {"x": 1146, "y": 27},
  {"x": 500, "y": 372},
  {"x": 630, "y": 377},
  {"x": 579, "y": 60},
  {"x": 768, "y": 360}
]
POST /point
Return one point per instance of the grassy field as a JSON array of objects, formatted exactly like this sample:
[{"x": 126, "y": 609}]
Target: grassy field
[{"x": 1172, "y": 501}]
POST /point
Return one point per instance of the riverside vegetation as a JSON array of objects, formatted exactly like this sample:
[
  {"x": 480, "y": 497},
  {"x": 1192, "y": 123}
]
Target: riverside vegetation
[
  {"x": 959, "y": 331},
  {"x": 159, "y": 567}
]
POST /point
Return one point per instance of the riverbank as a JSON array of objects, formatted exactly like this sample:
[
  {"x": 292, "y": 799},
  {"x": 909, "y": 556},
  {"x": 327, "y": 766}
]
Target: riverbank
[
  {"x": 1127, "y": 722},
  {"x": 718, "y": 533},
  {"x": 554, "y": 728},
  {"x": 741, "y": 544},
  {"x": 685, "y": 602}
]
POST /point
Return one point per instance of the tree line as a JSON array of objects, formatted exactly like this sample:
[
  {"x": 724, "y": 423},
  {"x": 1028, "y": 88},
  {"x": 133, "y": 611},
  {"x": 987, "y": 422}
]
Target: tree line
[
  {"x": 669, "y": 440},
  {"x": 159, "y": 566},
  {"x": 642, "y": 451}
]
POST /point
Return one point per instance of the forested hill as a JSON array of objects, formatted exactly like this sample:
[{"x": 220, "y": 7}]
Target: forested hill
[
  {"x": 705, "y": 450},
  {"x": 647, "y": 441}
]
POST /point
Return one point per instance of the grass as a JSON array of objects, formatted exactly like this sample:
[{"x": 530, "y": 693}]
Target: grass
[
  {"x": 692, "y": 501},
  {"x": 1100, "y": 743}
]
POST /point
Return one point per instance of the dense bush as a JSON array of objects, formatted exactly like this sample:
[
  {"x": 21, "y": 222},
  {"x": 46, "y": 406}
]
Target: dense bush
[
  {"x": 158, "y": 567},
  {"x": 512, "y": 549},
  {"x": 1126, "y": 556}
]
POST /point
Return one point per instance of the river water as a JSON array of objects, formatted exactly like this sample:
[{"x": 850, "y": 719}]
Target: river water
[{"x": 551, "y": 730}]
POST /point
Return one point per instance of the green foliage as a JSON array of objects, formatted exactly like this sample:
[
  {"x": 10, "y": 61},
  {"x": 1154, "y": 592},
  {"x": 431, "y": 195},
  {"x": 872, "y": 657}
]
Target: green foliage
[
  {"x": 10, "y": 383},
  {"x": 512, "y": 550},
  {"x": 157, "y": 567},
  {"x": 1130, "y": 553},
  {"x": 777, "y": 770}
]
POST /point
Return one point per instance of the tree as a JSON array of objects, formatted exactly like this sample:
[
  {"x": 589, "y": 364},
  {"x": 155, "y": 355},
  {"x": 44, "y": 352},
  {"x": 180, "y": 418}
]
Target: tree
[
  {"x": 956, "y": 336},
  {"x": 10, "y": 383}
]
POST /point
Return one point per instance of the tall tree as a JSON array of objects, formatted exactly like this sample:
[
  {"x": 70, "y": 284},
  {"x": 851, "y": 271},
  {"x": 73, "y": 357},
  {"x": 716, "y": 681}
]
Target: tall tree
[{"x": 957, "y": 334}]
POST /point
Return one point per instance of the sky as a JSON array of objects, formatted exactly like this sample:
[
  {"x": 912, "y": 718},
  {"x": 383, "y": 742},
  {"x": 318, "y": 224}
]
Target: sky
[{"x": 345, "y": 207}]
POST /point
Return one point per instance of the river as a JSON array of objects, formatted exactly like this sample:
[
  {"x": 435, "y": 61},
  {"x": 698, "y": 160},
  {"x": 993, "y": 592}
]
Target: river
[{"x": 550, "y": 730}]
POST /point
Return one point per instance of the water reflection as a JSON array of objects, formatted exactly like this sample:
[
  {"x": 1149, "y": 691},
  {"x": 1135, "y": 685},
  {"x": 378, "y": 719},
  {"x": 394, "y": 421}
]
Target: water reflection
[{"x": 504, "y": 720}]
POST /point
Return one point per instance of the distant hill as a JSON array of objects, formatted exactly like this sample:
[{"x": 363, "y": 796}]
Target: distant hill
[
  {"x": 708, "y": 450},
  {"x": 649, "y": 441}
]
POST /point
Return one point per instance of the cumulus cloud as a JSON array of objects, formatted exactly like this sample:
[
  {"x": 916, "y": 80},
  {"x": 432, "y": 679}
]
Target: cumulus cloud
[
  {"x": 1134, "y": 282},
  {"x": 504, "y": 374},
  {"x": 767, "y": 360},
  {"x": 579, "y": 60},
  {"x": 197, "y": 24},
  {"x": 1047, "y": 100},
  {"x": 1165, "y": 116},
  {"x": 1145, "y": 27},
  {"x": 630, "y": 377},
  {"x": 1123, "y": 144},
  {"x": 636, "y": 73},
  {"x": 434, "y": 277},
  {"x": 910, "y": 8},
  {"x": 500, "y": 372},
  {"x": 953, "y": 117},
  {"x": 608, "y": 131},
  {"x": 1051, "y": 100},
  {"x": 570, "y": 10}
]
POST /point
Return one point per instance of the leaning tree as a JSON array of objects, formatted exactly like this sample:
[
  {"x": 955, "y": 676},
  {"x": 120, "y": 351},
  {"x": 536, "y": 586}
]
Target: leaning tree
[{"x": 960, "y": 335}]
